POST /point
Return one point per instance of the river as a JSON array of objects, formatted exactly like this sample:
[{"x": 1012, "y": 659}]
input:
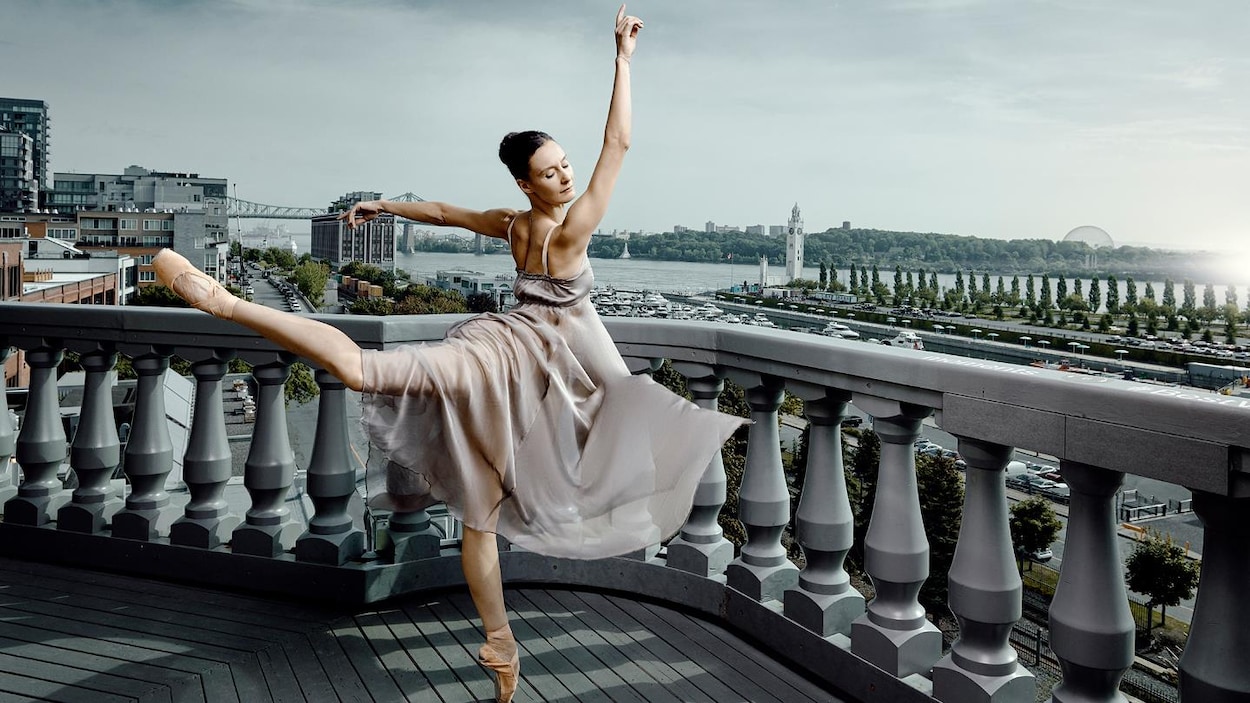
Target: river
[{"x": 690, "y": 277}]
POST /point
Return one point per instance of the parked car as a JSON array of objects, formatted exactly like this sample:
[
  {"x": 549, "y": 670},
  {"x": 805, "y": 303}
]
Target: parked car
[{"x": 1040, "y": 556}]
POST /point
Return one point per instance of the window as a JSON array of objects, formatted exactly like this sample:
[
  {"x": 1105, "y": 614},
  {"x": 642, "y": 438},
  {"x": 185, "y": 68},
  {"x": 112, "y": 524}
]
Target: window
[
  {"x": 146, "y": 259},
  {"x": 151, "y": 225},
  {"x": 147, "y": 276},
  {"x": 129, "y": 224},
  {"x": 60, "y": 233},
  {"x": 167, "y": 225}
]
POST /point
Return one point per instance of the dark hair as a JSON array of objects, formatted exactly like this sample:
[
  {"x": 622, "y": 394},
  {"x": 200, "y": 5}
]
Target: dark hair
[{"x": 516, "y": 149}]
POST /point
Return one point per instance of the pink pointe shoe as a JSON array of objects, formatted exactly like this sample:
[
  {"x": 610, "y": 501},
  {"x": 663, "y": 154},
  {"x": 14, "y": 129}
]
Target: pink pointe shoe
[
  {"x": 501, "y": 656},
  {"x": 192, "y": 285}
]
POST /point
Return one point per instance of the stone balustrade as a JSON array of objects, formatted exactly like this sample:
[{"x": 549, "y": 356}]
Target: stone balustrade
[{"x": 885, "y": 649}]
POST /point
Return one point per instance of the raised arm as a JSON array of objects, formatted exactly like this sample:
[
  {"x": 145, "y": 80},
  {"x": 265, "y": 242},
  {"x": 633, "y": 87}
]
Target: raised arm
[
  {"x": 492, "y": 223},
  {"x": 585, "y": 214}
]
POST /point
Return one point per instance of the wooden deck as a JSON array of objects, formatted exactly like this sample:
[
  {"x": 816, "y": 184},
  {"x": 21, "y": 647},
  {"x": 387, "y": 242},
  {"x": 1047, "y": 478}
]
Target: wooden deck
[{"x": 73, "y": 635}]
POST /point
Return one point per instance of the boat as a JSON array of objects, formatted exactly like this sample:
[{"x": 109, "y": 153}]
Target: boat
[
  {"x": 708, "y": 310},
  {"x": 906, "y": 339}
]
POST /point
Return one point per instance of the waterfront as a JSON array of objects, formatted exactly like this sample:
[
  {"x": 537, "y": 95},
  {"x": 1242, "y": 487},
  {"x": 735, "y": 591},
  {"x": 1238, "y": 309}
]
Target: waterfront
[{"x": 692, "y": 277}]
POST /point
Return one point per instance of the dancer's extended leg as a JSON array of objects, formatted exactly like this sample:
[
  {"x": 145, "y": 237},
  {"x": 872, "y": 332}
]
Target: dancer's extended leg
[
  {"x": 324, "y": 345},
  {"x": 479, "y": 557}
]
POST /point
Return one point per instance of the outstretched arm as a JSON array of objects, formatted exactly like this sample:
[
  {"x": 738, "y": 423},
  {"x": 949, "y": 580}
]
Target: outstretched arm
[
  {"x": 585, "y": 214},
  {"x": 492, "y": 223}
]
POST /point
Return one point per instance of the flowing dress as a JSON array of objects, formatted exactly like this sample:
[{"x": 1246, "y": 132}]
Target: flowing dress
[{"x": 528, "y": 424}]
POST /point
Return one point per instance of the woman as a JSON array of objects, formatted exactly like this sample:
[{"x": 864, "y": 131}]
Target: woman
[{"x": 528, "y": 423}]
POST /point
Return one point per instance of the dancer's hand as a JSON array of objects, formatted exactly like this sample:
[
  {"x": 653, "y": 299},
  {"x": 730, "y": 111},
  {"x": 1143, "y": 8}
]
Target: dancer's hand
[
  {"x": 362, "y": 212},
  {"x": 627, "y": 27}
]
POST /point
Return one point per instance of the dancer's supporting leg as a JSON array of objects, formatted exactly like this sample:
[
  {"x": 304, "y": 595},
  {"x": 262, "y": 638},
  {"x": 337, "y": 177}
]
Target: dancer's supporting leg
[
  {"x": 324, "y": 345},
  {"x": 479, "y": 558}
]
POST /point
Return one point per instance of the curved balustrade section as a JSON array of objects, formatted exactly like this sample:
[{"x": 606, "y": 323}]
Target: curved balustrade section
[{"x": 886, "y": 649}]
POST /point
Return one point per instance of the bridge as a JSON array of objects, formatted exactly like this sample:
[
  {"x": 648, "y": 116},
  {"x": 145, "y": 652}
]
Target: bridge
[{"x": 246, "y": 209}]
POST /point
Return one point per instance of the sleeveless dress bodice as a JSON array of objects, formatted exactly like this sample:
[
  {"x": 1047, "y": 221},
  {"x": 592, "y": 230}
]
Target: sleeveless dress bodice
[{"x": 528, "y": 423}]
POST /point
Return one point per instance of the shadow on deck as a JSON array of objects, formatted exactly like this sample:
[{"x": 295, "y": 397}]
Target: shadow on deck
[{"x": 75, "y": 635}]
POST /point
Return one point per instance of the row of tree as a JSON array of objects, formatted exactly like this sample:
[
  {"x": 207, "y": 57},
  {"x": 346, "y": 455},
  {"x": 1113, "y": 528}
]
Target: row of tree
[
  {"x": 921, "y": 288},
  {"x": 943, "y": 253}
]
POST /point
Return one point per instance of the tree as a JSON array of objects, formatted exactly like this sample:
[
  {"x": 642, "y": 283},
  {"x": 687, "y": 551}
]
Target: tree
[
  {"x": 1169, "y": 295},
  {"x": 157, "y": 297},
  {"x": 1161, "y": 571},
  {"x": 311, "y": 277},
  {"x": 1034, "y": 527},
  {"x": 300, "y": 386},
  {"x": 854, "y": 284},
  {"x": 1015, "y": 291},
  {"x": 1044, "y": 300},
  {"x": 1095, "y": 295},
  {"x": 1113, "y": 296},
  {"x": 1130, "y": 294},
  {"x": 1030, "y": 298},
  {"x": 1061, "y": 292},
  {"x": 1208, "y": 302},
  {"x": 824, "y": 277},
  {"x": 1150, "y": 292},
  {"x": 1189, "y": 303}
]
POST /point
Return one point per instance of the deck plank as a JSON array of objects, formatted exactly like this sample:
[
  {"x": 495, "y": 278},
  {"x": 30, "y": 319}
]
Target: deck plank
[
  {"x": 548, "y": 647},
  {"x": 244, "y": 669},
  {"x": 789, "y": 686},
  {"x": 635, "y": 681},
  {"x": 538, "y": 682},
  {"x": 721, "y": 661},
  {"x": 71, "y": 635},
  {"x": 79, "y": 684},
  {"x": 376, "y": 679},
  {"x": 185, "y": 687}
]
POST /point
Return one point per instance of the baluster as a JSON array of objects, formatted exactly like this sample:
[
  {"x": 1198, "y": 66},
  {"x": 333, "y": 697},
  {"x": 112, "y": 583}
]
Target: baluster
[
  {"x": 331, "y": 538},
  {"x": 894, "y": 634},
  {"x": 149, "y": 455},
  {"x": 96, "y": 451},
  {"x": 701, "y": 547},
  {"x": 1091, "y": 626},
  {"x": 985, "y": 591},
  {"x": 1213, "y": 669},
  {"x": 411, "y": 536},
  {"x": 41, "y": 446},
  {"x": 824, "y": 601},
  {"x": 206, "y": 521},
  {"x": 762, "y": 571},
  {"x": 8, "y": 441},
  {"x": 269, "y": 470}
]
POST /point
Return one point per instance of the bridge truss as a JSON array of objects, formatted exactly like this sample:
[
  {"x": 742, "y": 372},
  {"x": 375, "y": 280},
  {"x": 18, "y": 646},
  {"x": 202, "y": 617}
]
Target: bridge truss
[{"x": 246, "y": 209}]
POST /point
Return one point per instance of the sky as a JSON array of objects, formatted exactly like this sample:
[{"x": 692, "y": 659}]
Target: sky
[{"x": 992, "y": 118}]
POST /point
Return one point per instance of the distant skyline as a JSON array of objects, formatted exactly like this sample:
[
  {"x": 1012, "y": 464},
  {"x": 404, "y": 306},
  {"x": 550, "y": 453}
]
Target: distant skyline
[{"x": 969, "y": 117}]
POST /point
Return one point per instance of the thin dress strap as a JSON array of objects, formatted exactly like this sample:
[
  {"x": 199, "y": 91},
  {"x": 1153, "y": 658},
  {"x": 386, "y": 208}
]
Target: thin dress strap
[
  {"x": 546, "y": 240},
  {"x": 510, "y": 223}
]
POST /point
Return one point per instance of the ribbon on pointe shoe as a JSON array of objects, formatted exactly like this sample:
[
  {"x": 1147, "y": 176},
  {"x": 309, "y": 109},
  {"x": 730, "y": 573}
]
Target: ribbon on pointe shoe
[
  {"x": 501, "y": 655},
  {"x": 192, "y": 285}
]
